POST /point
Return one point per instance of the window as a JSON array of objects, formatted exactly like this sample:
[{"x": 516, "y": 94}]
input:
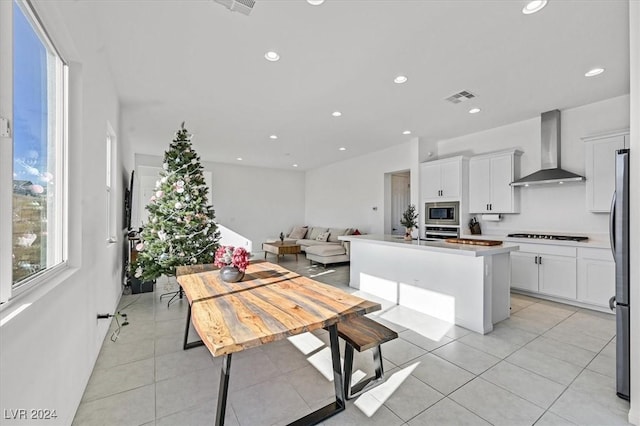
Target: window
[
  {"x": 39, "y": 142},
  {"x": 110, "y": 155}
]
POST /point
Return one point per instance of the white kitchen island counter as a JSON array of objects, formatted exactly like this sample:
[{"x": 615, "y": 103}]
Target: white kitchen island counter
[{"x": 463, "y": 284}]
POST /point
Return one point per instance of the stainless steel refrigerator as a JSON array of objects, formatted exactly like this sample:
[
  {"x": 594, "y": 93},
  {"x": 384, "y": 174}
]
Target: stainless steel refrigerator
[{"x": 619, "y": 233}]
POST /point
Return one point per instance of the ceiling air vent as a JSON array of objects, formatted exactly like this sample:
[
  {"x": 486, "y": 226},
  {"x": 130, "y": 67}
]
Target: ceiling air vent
[
  {"x": 243, "y": 6},
  {"x": 456, "y": 98}
]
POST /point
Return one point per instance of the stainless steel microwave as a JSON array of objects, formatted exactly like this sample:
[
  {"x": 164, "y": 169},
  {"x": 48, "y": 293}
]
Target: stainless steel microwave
[{"x": 442, "y": 213}]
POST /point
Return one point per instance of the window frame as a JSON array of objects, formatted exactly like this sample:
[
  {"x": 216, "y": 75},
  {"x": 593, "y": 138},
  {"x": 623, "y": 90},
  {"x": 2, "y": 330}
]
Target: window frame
[
  {"x": 111, "y": 148},
  {"x": 59, "y": 249}
]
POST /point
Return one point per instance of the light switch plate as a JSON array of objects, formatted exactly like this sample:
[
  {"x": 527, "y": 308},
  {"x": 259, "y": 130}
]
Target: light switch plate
[{"x": 5, "y": 132}]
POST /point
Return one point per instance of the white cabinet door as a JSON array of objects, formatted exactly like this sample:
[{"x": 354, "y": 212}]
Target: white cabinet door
[
  {"x": 600, "y": 171},
  {"x": 430, "y": 181},
  {"x": 479, "y": 185},
  {"x": 524, "y": 271},
  {"x": 489, "y": 179},
  {"x": 557, "y": 275},
  {"x": 597, "y": 281},
  {"x": 450, "y": 179},
  {"x": 596, "y": 276},
  {"x": 501, "y": 191}
]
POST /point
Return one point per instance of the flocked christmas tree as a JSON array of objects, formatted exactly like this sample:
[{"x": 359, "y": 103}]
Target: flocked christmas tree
[{"x": 181, "y": 228}]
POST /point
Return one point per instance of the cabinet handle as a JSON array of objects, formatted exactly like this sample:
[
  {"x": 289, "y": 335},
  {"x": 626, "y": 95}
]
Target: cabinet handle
[
  {"x": 540, "y": 261},
  {"x": 535, "y": 260},
  {"x": 490, "y": 206}
]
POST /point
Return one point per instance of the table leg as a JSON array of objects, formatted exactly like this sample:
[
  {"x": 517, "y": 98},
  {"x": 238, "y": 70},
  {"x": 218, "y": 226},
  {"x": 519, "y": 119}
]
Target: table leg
[
  {"x": 190, "y": 345},
  {"x": 222, "y": 391},
  {"x": 339, "y": 404},
  {"x": 338, "y": 382}
]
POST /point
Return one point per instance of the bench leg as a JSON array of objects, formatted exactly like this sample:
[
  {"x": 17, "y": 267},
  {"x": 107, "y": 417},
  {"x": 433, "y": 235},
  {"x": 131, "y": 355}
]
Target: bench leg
[
  {"x": 364, "y": 385},
  {"x": 348, "y": 369}
]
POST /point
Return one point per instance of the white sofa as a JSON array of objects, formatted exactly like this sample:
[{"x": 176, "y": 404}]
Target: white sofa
[{"x": 321, "y": 244}]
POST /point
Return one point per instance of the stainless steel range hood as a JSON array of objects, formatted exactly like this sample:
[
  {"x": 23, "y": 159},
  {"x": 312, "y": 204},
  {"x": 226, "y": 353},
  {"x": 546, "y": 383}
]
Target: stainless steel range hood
[{"x": 550, "y": 155}]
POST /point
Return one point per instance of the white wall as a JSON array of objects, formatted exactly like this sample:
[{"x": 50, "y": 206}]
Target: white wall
[
  {"x": 344, "y": 194},
  {"x": 548, "y": 208},
  {"x": 257, "y": 203},
  {"x": 49, "y": 349}
]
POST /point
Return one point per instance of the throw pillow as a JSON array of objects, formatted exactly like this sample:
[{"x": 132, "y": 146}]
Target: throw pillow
[
  {"x": 314, "y": 232},
  {"x": 323, "y": 237},
  {"x": 298, "y": 232}
]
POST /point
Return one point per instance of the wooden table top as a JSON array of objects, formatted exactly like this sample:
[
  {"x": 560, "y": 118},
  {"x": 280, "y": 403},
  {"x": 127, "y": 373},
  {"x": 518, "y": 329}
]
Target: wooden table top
[{"x": 270, "y": 304}]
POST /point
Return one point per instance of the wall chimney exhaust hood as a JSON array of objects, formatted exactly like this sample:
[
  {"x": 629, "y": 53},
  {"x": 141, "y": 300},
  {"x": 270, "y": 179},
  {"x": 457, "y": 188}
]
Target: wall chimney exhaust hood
[{"x": 550, "y": 156}]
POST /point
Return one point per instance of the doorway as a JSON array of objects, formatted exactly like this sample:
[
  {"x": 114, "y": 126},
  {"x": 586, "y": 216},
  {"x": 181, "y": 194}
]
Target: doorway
[{"x": 399, "y": 199}]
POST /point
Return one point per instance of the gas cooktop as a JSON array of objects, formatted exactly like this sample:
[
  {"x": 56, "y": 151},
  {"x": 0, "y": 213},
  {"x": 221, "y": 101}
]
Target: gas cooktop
[{"x": 549, "y": 237}]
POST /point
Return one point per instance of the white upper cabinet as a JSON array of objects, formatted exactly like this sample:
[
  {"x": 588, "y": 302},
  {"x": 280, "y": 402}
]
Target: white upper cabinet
[
  {"x": 600, "y": 168},
  {"x": 441, "y": 179},
  {"x": 489, "y": 179}
]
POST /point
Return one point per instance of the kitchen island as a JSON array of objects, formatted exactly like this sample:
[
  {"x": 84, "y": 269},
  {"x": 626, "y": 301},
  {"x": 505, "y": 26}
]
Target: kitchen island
[{"x": 463, "y": 284}]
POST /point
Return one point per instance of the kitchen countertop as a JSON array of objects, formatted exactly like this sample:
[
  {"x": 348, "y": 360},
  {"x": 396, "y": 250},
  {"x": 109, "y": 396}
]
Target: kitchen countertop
[
  {"x": 434, "y": 246},
  {"x": 594, "y": 241}
]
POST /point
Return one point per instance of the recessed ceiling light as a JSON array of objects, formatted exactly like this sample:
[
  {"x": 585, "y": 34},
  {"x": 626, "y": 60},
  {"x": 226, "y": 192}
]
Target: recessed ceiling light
[
  {"x": 534, "y": 6},
  {"x": 336, "y": 113},
  {"x": 474, "y": 110},
  {"x": 315, "y": 2},
  {"x": 594, "y": 72},
  {"x": 406, "y": 132},
  {"x": 295, "y": 165},
  {"x": 239, "y": 158},
  {"x": 342, "y": 148},
  {"x": 271, "y": 56},
  {"x": 273, "y": 137},
  {"x": 400, "y": 79}
]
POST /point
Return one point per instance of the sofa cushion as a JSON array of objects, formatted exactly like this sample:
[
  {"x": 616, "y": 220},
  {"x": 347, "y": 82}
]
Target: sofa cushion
[
  {"x": 314, "y": 232},
  {"x": 334, "y": 233},
  {"x": 327, "y": 250},
  {"x": 306, "y": 242},
  {"x": 298, "y": 232},
  {"x": 323, "y": 237}
]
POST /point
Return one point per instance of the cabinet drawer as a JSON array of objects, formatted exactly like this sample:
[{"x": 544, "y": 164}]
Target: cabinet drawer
[
  {"x": 595, "y": 253},
  {"x": 548, "y": 249}
]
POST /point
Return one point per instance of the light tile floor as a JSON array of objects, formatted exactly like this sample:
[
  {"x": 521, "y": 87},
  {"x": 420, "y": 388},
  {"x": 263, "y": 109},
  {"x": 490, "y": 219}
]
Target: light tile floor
[{"x": 549, "y": 364}]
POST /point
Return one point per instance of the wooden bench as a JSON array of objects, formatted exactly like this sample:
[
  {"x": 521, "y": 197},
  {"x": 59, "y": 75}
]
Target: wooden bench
[{"x": 363, "y": 333}]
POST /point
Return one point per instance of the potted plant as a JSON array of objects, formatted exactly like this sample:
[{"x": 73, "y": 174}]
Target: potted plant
[
  {"x": 409, "y": 221},
  {"x": 232, "y": 261}
]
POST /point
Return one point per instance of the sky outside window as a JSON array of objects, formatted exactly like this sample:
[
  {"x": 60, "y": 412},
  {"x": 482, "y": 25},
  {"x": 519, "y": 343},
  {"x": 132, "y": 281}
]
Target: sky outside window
[{"x": 30, "y": 102}]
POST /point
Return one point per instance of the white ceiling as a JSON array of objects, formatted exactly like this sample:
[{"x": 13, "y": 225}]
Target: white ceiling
[{"x": 196, "y": 61}]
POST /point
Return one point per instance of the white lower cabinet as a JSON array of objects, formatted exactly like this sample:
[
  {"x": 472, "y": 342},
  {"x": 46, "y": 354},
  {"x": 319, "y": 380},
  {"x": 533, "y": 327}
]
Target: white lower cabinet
[
  {"x": 545, "y": 269},
  {"x": 524, "y": 271},
  {"x": 596, "y": 276},
  {"x": 557, "y": 275}
]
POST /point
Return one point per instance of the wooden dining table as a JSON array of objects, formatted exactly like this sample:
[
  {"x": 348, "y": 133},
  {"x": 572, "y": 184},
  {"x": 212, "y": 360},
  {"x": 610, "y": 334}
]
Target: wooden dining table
[{"x": 271, "y": 303}]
